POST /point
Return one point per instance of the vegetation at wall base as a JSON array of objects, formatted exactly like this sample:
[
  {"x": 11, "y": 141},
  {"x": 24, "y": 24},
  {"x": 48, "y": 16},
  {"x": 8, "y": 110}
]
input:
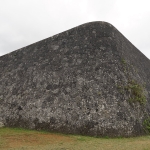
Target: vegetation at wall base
[{"x": 146, "y": 125}]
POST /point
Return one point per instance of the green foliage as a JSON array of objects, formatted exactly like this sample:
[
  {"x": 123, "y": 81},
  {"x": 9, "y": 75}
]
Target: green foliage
[
  {"x": 135, "y": 91},
  {"x": 146, "y": 125},
  {"x": 123, "y": 61}
]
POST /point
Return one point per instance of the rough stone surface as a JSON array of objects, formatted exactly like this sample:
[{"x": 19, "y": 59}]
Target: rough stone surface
[
  {"x": 1, "y": 125},
  {"x": 70, "y": 83}
]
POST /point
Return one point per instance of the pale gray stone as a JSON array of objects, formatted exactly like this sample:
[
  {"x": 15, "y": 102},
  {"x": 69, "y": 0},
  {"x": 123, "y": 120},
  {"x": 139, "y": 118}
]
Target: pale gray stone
[
  {"x": 1, "y": 125},
  {"x": 76, "y": 82}
]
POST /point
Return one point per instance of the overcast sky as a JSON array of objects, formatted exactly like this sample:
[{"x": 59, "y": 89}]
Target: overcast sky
[{"x": 23, "y": 22}]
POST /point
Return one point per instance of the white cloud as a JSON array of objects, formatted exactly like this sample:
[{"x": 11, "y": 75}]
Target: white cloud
[{"x": 24, "y": 22}]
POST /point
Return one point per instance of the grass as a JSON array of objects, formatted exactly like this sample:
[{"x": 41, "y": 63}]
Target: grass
[{"x": 21, "y": 139}]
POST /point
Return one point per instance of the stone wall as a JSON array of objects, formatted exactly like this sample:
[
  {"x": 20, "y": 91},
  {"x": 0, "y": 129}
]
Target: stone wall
[{"x": 80, "y": 81}]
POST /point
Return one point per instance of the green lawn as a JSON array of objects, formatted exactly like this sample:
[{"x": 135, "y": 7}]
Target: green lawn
[{"x": 21, "y": 139}]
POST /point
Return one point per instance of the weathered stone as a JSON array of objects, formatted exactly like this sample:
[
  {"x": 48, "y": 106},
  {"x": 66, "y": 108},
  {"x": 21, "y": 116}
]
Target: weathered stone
[
  {"x": 1, "y": 125},
  {"x": 81, "y": 81}
]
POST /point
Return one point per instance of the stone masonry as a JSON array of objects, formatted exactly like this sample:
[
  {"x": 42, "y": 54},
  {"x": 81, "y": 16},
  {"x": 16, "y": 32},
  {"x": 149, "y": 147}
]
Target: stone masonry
[{"x": 81, "y": 81}]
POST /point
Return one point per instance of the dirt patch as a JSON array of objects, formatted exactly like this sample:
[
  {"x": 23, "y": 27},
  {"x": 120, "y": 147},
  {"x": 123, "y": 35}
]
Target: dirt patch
[
  {"x": 15, "y": 141},
  {"x": 19, "y": 139}
]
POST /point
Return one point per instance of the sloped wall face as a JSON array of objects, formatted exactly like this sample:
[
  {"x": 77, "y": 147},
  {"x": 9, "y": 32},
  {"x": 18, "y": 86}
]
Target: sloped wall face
[{"x": 71, "y": 83}]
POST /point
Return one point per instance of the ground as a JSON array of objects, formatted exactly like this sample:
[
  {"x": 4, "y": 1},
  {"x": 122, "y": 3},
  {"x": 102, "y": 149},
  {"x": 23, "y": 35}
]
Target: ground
[{"x": 21, "y": 139}]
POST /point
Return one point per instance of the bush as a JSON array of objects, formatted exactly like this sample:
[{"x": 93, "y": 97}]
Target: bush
[
  {"x": 137, "y": 93},
  {"x": 146, "y": 124}
]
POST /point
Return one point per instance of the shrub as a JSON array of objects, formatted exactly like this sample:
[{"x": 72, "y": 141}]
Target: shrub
[
  {"x": 137, "y": 93},
  {"x": 146, "y": 125}
]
